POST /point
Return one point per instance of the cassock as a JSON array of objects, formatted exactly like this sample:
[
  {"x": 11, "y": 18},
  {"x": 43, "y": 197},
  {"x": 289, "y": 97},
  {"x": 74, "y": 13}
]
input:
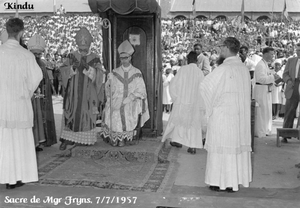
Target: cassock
[
  {"x": 263, "y": 96},
  {"x": 188, "y": 113},
  {"x": 20, "y": 75},
  {"x": 226, "y": 93}
]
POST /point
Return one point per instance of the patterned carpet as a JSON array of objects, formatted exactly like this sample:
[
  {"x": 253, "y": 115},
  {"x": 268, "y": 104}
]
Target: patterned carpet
[{"x": 146, "y": 167}]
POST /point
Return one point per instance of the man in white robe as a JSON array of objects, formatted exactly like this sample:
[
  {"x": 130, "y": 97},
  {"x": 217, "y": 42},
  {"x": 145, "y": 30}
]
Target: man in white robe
[
  {"x": 226, "y": 93},
  {"x": 126, "y": 109},
  {"x": 187, "y": 117},
  {"x": 264, "y": 79},
  {"x": 20, "y": 75}
]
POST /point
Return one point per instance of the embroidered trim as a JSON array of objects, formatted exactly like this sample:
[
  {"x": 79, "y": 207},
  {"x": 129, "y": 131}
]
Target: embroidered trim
[
  {"x": 88, "y": 137},
  {"x": 128, "y": 135}
]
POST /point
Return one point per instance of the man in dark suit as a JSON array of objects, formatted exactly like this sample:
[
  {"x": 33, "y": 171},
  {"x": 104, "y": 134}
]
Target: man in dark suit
[{"x": 291, "y": 77}]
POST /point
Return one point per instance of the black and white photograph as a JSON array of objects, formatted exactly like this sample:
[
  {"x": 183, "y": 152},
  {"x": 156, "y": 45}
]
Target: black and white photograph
[{"x": 149, "y": 103}]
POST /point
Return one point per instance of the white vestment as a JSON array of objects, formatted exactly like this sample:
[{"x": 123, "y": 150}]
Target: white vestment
[
  {"x": 226, "y": 93},
  {"x": 126, "y": 83},
  {"x": 20, "y": 75},
  {"x": 166, "y": 90},
  {"x": 187, "y": 116},
  {"x": 263, "y": 117}
]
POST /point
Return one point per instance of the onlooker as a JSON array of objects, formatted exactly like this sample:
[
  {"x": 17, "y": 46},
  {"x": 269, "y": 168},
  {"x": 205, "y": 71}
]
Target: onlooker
[
  {"x": 277, "y": 90},
  {"x": 203, "y": 61},
  {"x": 245, "y": 59},
  {"x": 20, "y": 75},
  {"x": 291, "y": 77},
  {"x": 57, "y": 77},
  {"x": 226, "y": 93},
  {"x": 167, "y": 101},
  {"x": 61, "y": 10},
  {"x": 50, "y": 65}
]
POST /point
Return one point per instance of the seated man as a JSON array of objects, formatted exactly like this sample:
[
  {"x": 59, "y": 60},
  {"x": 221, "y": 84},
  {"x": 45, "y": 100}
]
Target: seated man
[{"x": 126, "y": 107}]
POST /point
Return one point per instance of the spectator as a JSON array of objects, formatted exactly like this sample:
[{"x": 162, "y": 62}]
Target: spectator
[
  {"x": 203, "y": 61},
  {"x": 50, "y": 68},
  {"x": 167, "y": 78},
  {"x": 61, "y": 10},
  {"x": 277, "y": 90},
  {"x": 291, "y": 77}
]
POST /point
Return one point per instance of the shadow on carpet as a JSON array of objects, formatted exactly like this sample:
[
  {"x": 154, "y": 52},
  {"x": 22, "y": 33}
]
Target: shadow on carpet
[{"x": 145, "y": 167}]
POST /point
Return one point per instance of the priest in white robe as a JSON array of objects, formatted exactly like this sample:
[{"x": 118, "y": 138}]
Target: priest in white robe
[
  {"x": 20, "y": 75},
  {"x": 264, "y": 79},
  {"x": 187, "y": 117},
  {"x": 226, "y": 93}
]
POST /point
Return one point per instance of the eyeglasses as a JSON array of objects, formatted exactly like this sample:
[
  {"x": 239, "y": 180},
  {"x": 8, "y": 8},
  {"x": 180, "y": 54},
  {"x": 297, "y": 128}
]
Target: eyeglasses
[
  {"x": 124, "y": 58},
  {"x": 222, "y": 45}
]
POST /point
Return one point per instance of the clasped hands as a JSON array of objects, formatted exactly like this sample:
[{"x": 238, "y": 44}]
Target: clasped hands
[
  {"x": 276, "y": 76},
  {"x": 76, "y": 64}
]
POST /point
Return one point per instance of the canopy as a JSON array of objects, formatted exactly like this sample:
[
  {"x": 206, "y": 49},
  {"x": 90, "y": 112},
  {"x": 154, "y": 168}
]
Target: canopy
[
  {"x": 124, "y": 6},
  {"x": 110, "y": 9}
]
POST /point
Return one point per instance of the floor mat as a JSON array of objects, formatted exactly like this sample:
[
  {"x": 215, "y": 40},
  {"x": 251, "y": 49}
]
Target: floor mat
[{"x": 129, "y": 168}]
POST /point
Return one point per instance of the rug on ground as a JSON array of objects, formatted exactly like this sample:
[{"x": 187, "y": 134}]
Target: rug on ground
[{"x": 146, "y": 167}]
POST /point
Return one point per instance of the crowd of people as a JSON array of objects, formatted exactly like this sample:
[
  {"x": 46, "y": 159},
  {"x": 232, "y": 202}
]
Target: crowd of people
[
  {"x": 59, "y": 31},
  {"x": 179, "y": 36}
]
